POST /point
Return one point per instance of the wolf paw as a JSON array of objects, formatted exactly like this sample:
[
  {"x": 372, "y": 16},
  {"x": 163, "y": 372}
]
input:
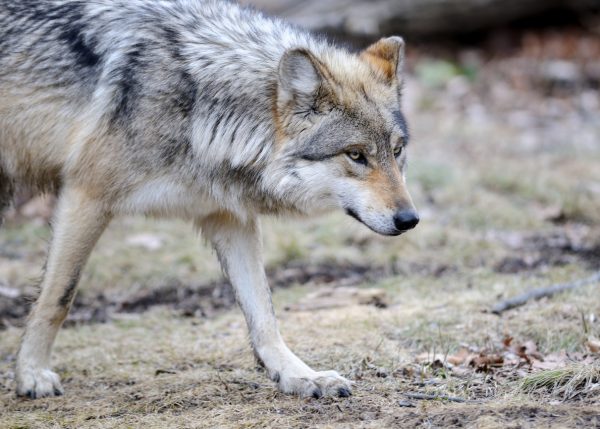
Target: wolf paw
[
  {"x": 316, "y": 385},
  {"x": 37, "y": 383}
]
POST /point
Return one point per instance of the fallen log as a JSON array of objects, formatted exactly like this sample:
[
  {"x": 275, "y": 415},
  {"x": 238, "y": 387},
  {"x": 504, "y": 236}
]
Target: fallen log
[{"x": 413, "y": 18}]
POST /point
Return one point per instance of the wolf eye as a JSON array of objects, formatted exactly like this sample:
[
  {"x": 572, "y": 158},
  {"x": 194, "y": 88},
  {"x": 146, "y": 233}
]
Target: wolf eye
[
  {"x": 357, "y": 157},
  {"x": 397, "y": 151}
]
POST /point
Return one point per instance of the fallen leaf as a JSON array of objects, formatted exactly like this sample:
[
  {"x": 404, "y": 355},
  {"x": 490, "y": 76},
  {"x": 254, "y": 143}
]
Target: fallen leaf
[
  {"x": 483, "y": 362},
  {"x": 460, "y": 357},
  {"x": 527, "y": 351},
  {"x": 593, "y": 345}
]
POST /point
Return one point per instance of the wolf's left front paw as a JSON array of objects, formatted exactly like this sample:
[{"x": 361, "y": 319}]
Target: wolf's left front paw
[{"x": 316, "y": 384}]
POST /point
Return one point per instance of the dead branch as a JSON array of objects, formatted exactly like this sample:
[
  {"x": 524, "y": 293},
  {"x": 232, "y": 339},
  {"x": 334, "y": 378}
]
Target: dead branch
[
  {"x": 428, "y": 397},
  {"x": 539, "y": 293}
]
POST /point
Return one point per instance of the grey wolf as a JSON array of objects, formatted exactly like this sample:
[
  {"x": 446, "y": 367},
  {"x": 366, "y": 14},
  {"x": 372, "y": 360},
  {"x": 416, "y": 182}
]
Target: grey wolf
[{"x": 198, "y": 109}]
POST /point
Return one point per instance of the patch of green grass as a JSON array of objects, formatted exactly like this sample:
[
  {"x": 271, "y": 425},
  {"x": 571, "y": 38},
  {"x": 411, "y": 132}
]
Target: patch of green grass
[
  {"x": 437, "y": 73},
  {"x": 575, "y": 380}
]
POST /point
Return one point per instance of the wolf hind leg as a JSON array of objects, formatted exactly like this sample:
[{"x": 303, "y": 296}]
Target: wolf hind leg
[
  {"x": 239, "y": 248},
  {"x": 79, "y": 223}
]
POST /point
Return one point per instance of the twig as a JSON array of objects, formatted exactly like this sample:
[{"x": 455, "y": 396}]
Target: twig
[
  {"x": 539, "y": 293},
  {"x": 427, "y": 397}
]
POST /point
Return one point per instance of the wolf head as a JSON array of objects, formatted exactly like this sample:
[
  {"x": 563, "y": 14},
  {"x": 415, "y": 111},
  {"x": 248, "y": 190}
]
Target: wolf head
[{"x": 343, "y": 136}]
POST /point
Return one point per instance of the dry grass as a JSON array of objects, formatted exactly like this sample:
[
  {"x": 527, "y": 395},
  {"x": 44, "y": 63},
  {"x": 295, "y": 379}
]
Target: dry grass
[
  {"x": 488, "y": 193},
  {"x": 566, "y": 383}
]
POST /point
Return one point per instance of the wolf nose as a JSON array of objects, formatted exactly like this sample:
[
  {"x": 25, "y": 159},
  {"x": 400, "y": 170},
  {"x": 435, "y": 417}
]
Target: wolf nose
[{"x": 405, "y": 220}]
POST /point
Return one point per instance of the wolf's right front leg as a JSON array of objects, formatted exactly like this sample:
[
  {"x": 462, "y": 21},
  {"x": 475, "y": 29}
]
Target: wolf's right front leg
[
  {"x": 78, "y": 224},
  {"x": 239, "y": 248}
]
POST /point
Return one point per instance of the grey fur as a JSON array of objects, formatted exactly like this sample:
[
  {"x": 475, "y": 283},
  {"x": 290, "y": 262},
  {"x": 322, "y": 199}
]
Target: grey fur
[
  {"x": 198, "y": 109},
  {"x": 160, "y": 69}
]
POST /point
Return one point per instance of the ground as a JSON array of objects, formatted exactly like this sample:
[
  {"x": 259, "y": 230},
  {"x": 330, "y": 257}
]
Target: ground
[{"x": 504, "y": 169}]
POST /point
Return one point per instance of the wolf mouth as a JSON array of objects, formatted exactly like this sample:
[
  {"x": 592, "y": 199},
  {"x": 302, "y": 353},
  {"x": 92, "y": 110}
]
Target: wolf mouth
[{"x": 350, "y": 212}]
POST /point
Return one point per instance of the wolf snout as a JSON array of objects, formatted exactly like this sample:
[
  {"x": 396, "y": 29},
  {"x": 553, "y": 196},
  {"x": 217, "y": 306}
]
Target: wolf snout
[{"x": 406, "y": 219}]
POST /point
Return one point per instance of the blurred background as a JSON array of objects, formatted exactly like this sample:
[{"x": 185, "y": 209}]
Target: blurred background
[{"x": 503, "y": 101}]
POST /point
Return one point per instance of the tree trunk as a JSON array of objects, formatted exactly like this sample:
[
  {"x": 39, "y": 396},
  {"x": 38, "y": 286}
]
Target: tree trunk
[{"x": 415, "y": 18}]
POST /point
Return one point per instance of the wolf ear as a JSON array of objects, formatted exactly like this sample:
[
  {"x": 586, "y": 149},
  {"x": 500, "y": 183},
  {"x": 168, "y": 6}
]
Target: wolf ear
[
  {"x": 299, "y": 80},
  {"x": 387, "y": 56}
]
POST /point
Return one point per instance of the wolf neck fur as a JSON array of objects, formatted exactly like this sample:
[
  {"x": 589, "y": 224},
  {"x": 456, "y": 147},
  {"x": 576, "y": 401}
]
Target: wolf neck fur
[{"x": 239, "y": 132}]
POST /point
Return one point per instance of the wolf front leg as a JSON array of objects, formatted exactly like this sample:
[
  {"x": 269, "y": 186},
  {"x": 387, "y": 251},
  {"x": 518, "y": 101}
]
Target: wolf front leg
[
  {"x": 239, "y": 249},
  {"x": 79, "y": 222}
]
